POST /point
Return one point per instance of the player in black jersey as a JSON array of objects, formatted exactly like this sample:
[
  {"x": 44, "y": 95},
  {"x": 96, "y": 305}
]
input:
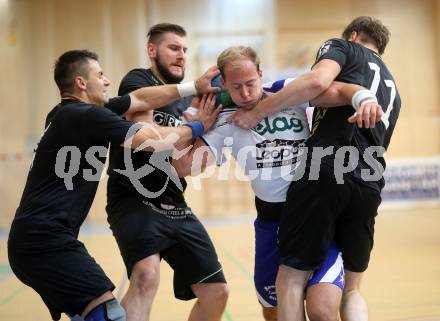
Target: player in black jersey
[
  {"x": 342, "y": 203},
  {"x": 150, "y": 218},
  {"x": 43, "y": 248},
  {"x": 241, "y": 77}
]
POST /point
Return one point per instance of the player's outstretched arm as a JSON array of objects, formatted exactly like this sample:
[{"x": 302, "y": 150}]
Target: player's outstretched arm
[
  {"x": 149, "y": 98},
  {"x": 367, "y": 111},
  {"x": 338, "y": 94},
  {"x": 151, "y": 137},
  {"x": 194, "y": 161},
  {"x": 304, "y": 88}
]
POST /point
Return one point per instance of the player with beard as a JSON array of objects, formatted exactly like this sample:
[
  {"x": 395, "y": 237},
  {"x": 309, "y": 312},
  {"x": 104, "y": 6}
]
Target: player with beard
[{"x": 152, "y": 221}]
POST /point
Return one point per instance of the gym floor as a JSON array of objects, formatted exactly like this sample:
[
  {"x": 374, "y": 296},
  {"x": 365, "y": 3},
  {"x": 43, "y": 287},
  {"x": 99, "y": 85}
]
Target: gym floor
[{"x": 401, "y": 284}]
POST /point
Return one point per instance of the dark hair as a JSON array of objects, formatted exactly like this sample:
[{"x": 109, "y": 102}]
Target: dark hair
[
  {"x": 156, "y": 31},
  {"x": 370, "y": 30},
  {"x": 71, "y": 64}
]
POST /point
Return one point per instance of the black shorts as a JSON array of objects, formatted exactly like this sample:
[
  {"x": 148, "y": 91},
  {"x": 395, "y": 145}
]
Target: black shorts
[
  {"x": 66, "y": 278},
  {"x": 319, "y": 211},
  {"x": 141, "y": 229}
]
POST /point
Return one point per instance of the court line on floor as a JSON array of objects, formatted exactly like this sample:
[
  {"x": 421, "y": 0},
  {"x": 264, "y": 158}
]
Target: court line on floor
[
  {"x": 12, "y": 295},
  {"x": 238, "y": 264},
  {"x": 5, "y": 272},
  {"x": 100, "y": 229},
  {"x": 430, "y": 318},
  {"x": 97, "y": 229},
  {"x": 228, "y": 315},
  {"x": 242, "y": 269}
]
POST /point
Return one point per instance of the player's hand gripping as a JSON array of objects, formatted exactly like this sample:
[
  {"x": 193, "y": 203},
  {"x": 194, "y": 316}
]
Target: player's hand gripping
[
  {"x": 207, "y": 114},
  {"x": 245, "y": 118},
  {"x": 368, "y": 114},
  {"x": 203, "y": 84}
]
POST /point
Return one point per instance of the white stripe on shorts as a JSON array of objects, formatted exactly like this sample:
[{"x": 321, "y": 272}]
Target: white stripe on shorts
[
  {"x": 334, "y": 271},
  {"x": 263, "y": 302},
  {"x": 207, "y": 277}
]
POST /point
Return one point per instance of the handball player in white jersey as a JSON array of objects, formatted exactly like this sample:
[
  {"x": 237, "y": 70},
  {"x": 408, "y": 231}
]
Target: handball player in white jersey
[{"x": 268, "y": 154}]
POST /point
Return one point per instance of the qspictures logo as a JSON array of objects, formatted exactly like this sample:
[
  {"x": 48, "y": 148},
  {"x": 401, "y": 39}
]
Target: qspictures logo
[{"x": 268, "y": 154}]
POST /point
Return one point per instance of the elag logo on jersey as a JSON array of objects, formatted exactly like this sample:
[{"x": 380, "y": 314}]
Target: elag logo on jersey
[
  {"x": 278, "y": 152},
  {"x": 279, "y": 124}
]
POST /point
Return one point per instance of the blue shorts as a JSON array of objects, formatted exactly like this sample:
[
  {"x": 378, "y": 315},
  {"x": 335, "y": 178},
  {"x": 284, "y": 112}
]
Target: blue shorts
[{"x": 267, "y": 261}]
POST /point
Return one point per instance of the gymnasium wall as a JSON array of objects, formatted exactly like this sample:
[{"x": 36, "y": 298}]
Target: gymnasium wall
[{"x": 33, "y": 33}]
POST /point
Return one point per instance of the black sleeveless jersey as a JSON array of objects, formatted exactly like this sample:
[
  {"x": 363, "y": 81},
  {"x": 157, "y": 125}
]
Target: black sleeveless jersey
[
  {"x": 156, "y": 185},
  {"x": 362, "y": 66}
]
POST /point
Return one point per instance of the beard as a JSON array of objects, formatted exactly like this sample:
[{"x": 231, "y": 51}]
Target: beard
[{"x": 169, "y": 77}]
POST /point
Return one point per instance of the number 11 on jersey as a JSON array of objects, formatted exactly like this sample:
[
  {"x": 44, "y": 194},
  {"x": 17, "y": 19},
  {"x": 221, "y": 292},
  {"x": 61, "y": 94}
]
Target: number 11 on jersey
[{"x": 390, "y": 84}]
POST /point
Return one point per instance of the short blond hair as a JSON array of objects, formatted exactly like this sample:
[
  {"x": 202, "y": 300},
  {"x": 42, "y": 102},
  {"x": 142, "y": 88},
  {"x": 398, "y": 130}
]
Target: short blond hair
[{"x": 237, "y": 53}]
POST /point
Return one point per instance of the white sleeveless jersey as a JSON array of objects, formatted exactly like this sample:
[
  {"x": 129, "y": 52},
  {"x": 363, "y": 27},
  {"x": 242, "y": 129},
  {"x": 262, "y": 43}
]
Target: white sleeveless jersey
[{"x": 269, "y": 152}]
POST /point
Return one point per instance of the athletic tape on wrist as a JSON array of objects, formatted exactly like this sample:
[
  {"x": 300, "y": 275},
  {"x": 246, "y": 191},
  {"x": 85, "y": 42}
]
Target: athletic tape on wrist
[
  {"x": 360, "y": 97},
  {"x": 192, "y": 110},
  {"x": 187, "y": 89},
  {"x": 197, "y": 128},
  {"x": 368, "y": 100}
]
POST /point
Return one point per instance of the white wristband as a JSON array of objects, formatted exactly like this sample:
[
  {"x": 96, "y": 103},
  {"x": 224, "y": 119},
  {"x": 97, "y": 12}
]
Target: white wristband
[
  {"x": 360, "y": 96},
  {"x": 187, "y": 89}
]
